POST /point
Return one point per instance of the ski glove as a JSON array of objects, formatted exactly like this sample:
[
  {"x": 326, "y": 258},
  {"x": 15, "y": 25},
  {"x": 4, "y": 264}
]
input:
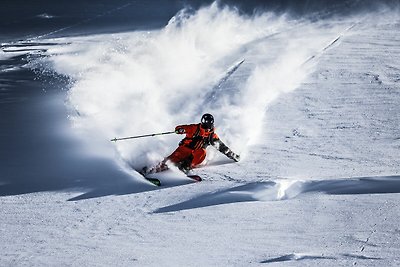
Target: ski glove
[
  {"x": 233, "y": 156},
  {"x": 180, "y": 131}
]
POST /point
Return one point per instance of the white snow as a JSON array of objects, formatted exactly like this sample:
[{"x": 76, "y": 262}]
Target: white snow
[{"x": 319, "y": 182}]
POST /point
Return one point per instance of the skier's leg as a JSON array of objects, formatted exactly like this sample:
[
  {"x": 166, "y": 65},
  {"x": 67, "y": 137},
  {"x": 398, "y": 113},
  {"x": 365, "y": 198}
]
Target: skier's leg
[
  {"x": 198, "y": 157},
  {"x": 186, "y": 164},
  {"x": 181, "y": 154},
  {"x": 182, "y": 158},
  {"x": 161, "y": 166}
]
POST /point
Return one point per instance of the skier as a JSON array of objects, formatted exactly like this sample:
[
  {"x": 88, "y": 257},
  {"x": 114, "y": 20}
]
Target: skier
[{"x": 192, "y": 149}]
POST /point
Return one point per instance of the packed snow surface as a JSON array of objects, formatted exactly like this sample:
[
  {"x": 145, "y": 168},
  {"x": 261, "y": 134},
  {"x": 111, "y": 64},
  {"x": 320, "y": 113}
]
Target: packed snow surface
[{"x": 312, "y": 106}]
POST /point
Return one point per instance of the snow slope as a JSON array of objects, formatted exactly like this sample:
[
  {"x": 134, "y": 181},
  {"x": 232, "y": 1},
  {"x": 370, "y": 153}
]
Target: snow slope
[{"x": 319, "y": 179}]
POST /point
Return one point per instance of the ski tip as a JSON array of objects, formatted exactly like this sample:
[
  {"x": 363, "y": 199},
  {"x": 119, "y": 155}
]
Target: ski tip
[
  {"x": 195, "y": 177},
  {"x": 154, "y": 181}
]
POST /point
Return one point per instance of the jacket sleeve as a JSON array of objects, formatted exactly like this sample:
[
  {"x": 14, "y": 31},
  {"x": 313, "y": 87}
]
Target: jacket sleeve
[
  {"x": 184, "y": 129},
  {"x": 224, "y": 149},
  {"x": 180, "y": 129}
]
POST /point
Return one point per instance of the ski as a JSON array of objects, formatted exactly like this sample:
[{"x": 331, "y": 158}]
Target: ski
[
  {"x": 157, "y": 181},
  {"x": 154, "y": 181},
  {"x": 194, "y": 177}
]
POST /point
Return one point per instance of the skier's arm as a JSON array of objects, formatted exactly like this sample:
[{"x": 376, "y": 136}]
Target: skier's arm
[{"x": 218, "y": 144}]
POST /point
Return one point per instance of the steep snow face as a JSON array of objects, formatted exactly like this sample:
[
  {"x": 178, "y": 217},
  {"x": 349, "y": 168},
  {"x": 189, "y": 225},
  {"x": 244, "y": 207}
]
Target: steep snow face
[
  {"x": 344, "y": 120},
  {"x": 144, "y": 82}
]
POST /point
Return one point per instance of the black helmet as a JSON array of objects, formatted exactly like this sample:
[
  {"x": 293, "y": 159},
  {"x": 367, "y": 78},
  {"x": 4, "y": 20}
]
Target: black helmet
[{"x": 207, "y": 121}]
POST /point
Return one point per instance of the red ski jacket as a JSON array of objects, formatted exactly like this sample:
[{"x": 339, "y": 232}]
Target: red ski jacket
[{"x": 196, "y": 136}]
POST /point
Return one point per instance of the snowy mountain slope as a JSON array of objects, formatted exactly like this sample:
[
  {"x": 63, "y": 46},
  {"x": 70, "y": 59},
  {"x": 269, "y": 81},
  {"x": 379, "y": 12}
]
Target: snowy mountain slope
[{"x": 319, "y": 179}]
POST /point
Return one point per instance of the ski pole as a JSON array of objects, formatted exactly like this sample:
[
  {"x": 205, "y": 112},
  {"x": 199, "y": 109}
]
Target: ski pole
[{"x": 139, "y": 136}]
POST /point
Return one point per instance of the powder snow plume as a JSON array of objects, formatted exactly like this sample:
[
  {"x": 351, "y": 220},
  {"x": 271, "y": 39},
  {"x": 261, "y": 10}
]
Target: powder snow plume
[{"x": 150, "y": 81}]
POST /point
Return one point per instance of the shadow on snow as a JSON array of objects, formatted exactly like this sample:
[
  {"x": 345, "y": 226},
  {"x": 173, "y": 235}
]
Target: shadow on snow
[
  {"x": 286, "y": 189},
  {"x": 300, "y": 257}
]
